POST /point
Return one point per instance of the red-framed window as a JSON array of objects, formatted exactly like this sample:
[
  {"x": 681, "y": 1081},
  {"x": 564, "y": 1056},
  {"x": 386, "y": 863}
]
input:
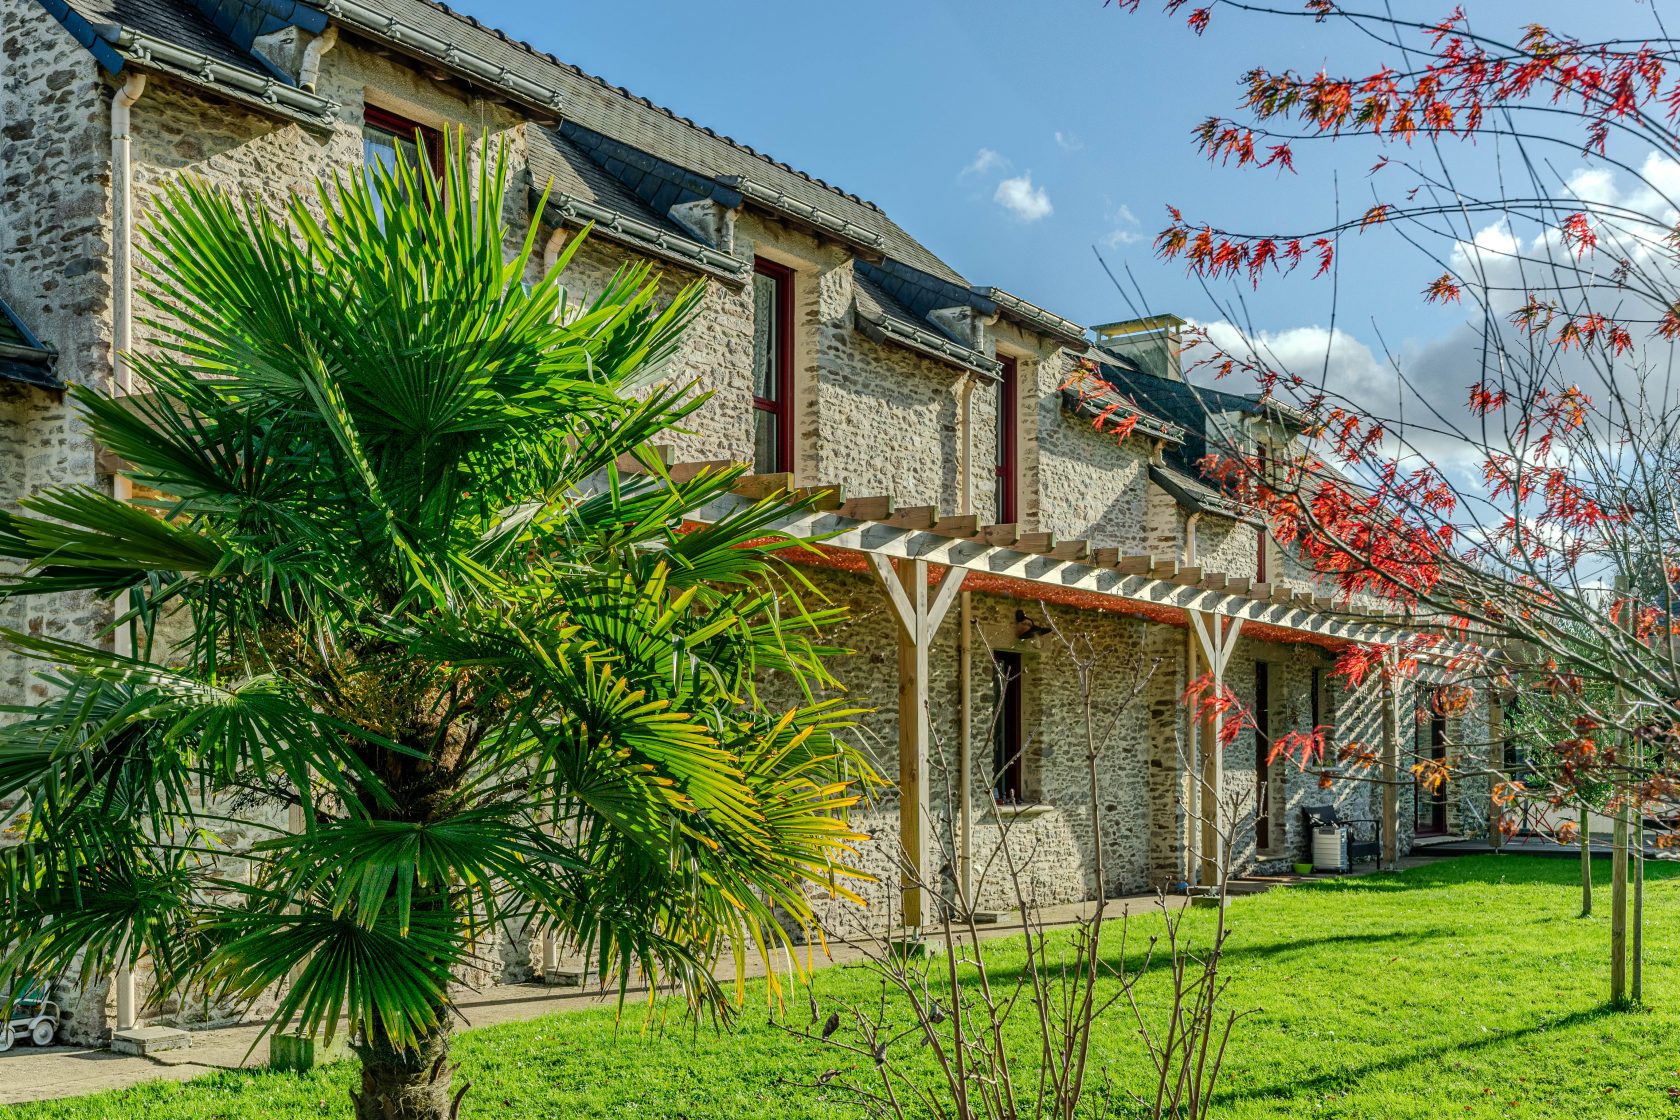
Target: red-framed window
[
  {"x": 1008, "y": 505},
  {"x": 1008, "y": 738},
  {"x": 384, "y": 134},
  {"x": 772, "y": 367}
]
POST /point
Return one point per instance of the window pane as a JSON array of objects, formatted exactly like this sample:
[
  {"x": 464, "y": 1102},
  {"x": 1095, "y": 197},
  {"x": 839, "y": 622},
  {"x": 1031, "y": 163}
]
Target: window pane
[
  {"x": 766, "y": 341},
  {"x": 380, "y": 147},
  {"x": 766, "y": 443}
]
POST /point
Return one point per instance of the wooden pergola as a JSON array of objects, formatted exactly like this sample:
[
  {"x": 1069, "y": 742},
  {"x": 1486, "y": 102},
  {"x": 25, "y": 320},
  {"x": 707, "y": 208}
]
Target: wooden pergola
[{"x": 922, "y": 559}]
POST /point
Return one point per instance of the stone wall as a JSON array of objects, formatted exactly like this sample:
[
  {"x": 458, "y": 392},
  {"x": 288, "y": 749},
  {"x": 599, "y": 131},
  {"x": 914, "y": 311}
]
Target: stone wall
[
  {"x": 1050, "y": 841},
  {"x": 55, "y": 273}
]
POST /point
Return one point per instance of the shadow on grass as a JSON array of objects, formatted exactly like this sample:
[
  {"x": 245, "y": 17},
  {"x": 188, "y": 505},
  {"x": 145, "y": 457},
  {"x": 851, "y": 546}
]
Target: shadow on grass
[
  {"x": 1509, "y": 869},
  {"x": 1235, "y": 953},
  {"x": 1345, "y": 1078}
]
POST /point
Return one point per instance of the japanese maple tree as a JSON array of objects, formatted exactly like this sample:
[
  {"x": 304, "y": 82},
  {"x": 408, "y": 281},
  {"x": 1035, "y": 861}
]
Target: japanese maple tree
[{"x": 1528, "y": 531}]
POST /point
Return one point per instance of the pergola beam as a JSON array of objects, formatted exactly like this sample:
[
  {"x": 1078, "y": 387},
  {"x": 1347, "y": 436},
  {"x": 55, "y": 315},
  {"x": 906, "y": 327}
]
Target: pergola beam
[{"x": 974, "y": 552}]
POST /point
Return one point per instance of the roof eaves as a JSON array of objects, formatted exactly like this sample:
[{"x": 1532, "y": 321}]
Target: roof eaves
[
  {"x": 382, "y": 25},
  {"x": 109, "y": 58},
  {"x": 637, "y": 234},
  {"x": 606, "y": 151},
  {"x": 921, "y": 291},
  {"x": 244, "y": 20},
  {"x": 371, "y": 20},
  {"x": 887, "y": 328},
  {"x": 23, "y": 357},
  {"x": 1099, "y": 406},
  {"x": 1035, "y": 317},
  {"x": 804, "y": 213},
  {"x": 260, "y": 91},
  {"x": 1196, "y": 498}
]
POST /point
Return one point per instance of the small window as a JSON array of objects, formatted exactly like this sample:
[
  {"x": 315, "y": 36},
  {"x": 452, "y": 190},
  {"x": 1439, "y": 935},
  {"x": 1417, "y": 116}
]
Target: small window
[
  {"x": 1007, "y": 505},
  {"x": 1007, "y": 738},
  {"x": 772, "y": 368},
  {"x": 384, "y": 134},
  {"x": 1318, "y": 708}
]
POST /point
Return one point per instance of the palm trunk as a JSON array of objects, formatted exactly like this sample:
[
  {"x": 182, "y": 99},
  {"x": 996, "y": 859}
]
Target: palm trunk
[{"x": 407, "y": 1084}]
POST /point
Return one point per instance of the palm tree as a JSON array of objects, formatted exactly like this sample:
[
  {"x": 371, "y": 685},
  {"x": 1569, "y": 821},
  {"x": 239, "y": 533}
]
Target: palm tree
[{"x": 383, "y": 574}]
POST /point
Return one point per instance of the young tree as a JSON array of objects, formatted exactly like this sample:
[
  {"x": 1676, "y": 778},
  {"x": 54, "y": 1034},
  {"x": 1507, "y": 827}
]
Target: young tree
[
  {"x": 1531, "y": 523},
  {"x": 504, "y": 684}
]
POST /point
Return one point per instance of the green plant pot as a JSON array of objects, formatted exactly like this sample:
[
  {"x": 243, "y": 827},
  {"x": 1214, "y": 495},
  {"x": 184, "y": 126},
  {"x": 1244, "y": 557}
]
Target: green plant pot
[{"x": 1303, "y": 869}]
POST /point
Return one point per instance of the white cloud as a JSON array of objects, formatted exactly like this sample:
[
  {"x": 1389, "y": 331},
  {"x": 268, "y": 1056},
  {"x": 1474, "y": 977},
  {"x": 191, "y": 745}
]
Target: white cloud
[
  {"x": 985, "y": 160},
  {"x": 1068, "y": 142},
  {"x": 1126, "y": 232},
  {"x": 1021, "y": 198}
]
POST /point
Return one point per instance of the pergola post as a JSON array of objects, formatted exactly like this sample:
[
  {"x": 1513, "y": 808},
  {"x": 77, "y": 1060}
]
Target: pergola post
[
  {"x": 1390, "y": 765},
  {"x": 919, "y": 616},
  {"x": 1216, "y": 638},
  {"x": 1496, "y": 765}
]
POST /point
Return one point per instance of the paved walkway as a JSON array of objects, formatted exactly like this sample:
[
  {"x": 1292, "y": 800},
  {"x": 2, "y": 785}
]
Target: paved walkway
[{"x": 28, "y": 1074}]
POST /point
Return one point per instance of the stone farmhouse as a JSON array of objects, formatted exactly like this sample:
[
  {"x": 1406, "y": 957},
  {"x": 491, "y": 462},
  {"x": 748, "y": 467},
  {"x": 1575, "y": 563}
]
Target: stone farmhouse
[{"x": 977, "y": 507}]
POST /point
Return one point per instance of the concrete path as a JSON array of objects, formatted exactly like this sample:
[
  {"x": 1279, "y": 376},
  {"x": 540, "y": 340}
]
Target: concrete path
[{"x": 28, "y": 1074}]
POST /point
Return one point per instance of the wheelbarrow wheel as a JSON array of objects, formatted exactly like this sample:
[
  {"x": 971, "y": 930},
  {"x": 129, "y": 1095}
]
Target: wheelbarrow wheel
[
  {"x": 6, "y": 1038},
  {"x": 43, "y": 1033}
]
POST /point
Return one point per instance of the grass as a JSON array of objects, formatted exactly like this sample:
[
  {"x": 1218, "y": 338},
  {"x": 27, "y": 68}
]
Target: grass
[{"x": 1466, "y": 988}]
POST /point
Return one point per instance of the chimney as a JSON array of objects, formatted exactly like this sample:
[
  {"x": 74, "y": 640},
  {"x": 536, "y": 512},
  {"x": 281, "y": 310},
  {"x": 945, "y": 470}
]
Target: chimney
[{"x": 1153, "y": 342}]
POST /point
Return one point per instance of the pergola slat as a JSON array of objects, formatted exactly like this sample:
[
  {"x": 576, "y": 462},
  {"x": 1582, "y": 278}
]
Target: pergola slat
[
  {"x": 877, "y": 508},
  {"x": 1002, "y": 536},
  {"x": 760, "y": 486},
  {"x": 913, "y": 517},
  {"x": 963, "y": 525}
]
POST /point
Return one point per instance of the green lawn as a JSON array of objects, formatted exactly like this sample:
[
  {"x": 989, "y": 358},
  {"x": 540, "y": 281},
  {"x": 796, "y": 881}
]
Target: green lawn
[{"x": 1466, "y": 988}]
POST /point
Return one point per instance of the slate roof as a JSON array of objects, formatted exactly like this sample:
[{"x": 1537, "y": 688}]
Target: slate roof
[
  {"x": 658, "y": 157},
  {"x": 554, "y": 157},
  {"x": 898, "y": 324},
  {"x": 177, "y": 21},
  {"x": 620, "y": 160},
  {"x": 1178, "y": 402},
  {"x": 23, "y": 357},
  {"x": 580, "y": 191},
  {"x": 613, "y": 111}
]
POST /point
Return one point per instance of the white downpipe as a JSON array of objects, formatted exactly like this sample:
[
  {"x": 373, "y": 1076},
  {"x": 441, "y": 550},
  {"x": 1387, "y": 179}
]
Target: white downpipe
[
  {"x": 965, "y": 673},
  {"x": 122, "y": 338},
  {"x": 551, "y": 250},
  {"x": 309, "y": 70}
]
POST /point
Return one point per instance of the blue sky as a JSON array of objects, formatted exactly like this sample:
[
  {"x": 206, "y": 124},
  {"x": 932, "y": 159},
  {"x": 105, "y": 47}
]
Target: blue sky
[{"x": 1086, "y": 113}]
